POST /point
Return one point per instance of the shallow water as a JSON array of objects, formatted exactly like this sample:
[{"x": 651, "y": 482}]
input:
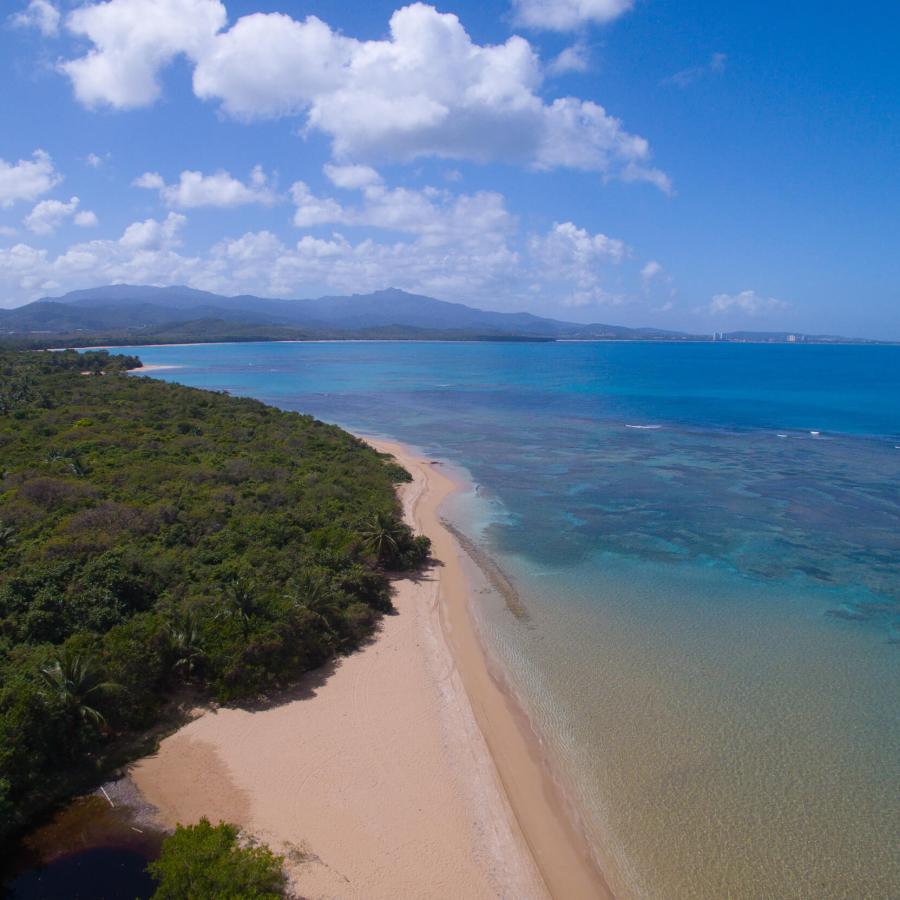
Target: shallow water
[{"x": 711, "y": 647}]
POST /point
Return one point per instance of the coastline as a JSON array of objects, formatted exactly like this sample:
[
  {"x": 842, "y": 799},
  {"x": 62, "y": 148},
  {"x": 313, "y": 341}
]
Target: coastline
[
  {"x": 543, "y": 816},
  {"x": 152, "y": 367},
  {"x": 375, "y": 775}
]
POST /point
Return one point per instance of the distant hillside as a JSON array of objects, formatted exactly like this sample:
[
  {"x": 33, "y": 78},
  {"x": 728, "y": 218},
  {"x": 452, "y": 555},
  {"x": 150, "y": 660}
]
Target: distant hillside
[
  {"x": 130, "y": 314},
  {"x": 139, "y": 313}
]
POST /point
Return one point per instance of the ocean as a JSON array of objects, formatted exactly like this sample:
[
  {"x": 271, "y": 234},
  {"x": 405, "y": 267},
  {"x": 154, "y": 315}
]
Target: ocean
[{"x": 705, "y": 539}]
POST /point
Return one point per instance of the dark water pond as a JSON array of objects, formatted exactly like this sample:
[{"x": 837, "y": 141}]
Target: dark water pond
[
  {"x": 87, "y": 851},
  {"x": 104, "y": 873}
]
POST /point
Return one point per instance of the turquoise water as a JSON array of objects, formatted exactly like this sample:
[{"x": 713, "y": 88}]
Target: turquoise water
[{"x": 707, "y": 541}]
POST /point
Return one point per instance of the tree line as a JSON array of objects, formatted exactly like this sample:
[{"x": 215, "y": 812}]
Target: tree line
[{"x": 155, "y": 537}]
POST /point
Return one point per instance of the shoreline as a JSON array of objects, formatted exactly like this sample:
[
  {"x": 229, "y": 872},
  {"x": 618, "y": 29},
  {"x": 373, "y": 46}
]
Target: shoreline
[
  {"x": 444, "y": 792},
  {"x": 371, "y": 775},
  {"x": 542, "y": 811},
  {"x": 152, "y": 367}
]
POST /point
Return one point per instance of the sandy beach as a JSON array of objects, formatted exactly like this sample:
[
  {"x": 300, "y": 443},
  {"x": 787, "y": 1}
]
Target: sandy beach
[{"x": 402, "y": 770}]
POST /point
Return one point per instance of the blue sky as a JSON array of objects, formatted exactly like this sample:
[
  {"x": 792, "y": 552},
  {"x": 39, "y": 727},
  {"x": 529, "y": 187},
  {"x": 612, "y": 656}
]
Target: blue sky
[{"x": 694, "y": 165}]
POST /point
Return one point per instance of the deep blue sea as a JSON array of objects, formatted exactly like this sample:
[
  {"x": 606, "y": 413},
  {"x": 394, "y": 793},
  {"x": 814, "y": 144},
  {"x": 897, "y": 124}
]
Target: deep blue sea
[{"x": 706, "y": 538}]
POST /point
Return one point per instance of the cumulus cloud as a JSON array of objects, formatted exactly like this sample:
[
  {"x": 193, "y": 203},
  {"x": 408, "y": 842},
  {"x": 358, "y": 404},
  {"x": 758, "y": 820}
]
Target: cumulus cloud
[
  {"x": 87, "y": 218},
  {"x": 146, "y": 253},
  {"x": 748, "y": 302},
  {"x": 48, "y": 215},
  {"x": 565, "y": 243},
  {"x": 95, "y": 161},
  {"x": 27, "y": 179},
  {"x": 465, "y": 247},
  {"x": 351, "y": 177},
  {"x": 344, "y": 265},
  {"x": 436, "y": 216},
  {"x": 573, "y": 261},
  {"x": 426, "y": 90},
  {"x": 686, "y": 77},
  {"x": 566, "y": 15},
  {"x": 133, "y": 40},
  {"x": 194, "y": 189},
  {"x": 311, "y": 210},
  {"x": 39, "y": 14},
  {"x": 258, "y": 262},
  {"x": 576, "y": 58},
  {"x": 152, "y": 234}
]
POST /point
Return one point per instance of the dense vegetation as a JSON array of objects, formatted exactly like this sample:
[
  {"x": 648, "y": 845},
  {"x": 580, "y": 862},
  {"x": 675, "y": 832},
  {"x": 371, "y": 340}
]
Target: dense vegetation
[
  {"x": 206, "y": 862},
  {"x": 203, "y": 331},
  {"x": 153, "y": 536}
]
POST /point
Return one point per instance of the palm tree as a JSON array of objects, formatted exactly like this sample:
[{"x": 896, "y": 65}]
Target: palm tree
[
  {"x": 75, "y": 682},
  {"x": 184, "y": 632},
  {"x": 72, "y": 462},
  {"x": 313, "y": 595},
  {"x": 7, "y": 536},
  {"x": 240, "y": 602},
  {"x": 382, "y": 535}
]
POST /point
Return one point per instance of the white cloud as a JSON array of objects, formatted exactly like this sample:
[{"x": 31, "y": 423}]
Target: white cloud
[
  {"x": 27, "y": 179},
  {"x": 39, "y": 14},
  {"x": 311, "y": 210},
  {"x": 270, "y": 65},
  {"x": 286, "y": 270},
  {"x": 576, "y": 58},
  {"x": 565, "y": 243},
  {"x": 86, "y": 219},
  {"x": 152, "y": 234},
  {"x": 194, "y": 189},
  {"x": 151, "y": 181},
  {"x": 95, "y": 161},
  {"x": 48, "y": 215},
  {"x": 7, "y": 231},
  {"x": 686, "y": 77},
  {"x": 566, "y": 15},
  {"x": 656, "y": 282},
  {"x": 435, "y": 216},
  {"x": 461, "y": 246},
  {"x": 572, "y": 262},
  {"x": 748, "y": 302},
  {"x": 426, "y": 90},
  {"x": 133, "y": 40},
  {"x": 464, "y": 248},
  {"x": 351, "y": 177},
  {"x": 651, "y": 270},
  {"x": 635, "y": 172}
]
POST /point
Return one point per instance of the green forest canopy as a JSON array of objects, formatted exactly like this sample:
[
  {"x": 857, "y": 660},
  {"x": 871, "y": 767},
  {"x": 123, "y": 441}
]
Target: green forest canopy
[{"x": 152, "y": 535}]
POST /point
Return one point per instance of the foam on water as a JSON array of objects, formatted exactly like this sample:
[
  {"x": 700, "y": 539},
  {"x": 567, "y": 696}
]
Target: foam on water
[{"x": 710, "y": 646}]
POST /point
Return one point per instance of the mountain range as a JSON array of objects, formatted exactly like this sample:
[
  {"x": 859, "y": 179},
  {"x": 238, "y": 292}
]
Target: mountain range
[{"x": 134, "y": 314}]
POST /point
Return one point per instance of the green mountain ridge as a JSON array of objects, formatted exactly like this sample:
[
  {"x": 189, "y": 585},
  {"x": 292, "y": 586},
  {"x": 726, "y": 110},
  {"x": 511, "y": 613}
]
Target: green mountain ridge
[{"x": 135, "y": 314}]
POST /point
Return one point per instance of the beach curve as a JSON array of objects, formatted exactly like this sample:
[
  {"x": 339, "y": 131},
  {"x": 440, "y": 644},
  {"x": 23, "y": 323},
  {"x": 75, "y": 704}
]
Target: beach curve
[{"x": 402, "y": 770}]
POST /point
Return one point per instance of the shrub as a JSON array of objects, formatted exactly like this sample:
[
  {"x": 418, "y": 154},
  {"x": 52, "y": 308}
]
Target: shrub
[{"x": 208, "y": 862}]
